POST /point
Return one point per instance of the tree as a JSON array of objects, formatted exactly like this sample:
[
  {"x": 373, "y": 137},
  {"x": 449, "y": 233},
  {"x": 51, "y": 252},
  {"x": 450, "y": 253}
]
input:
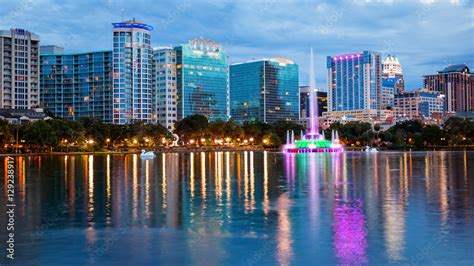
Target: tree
[
  {"x": 6, "y": 133},
  {"x": 191, "y": 127},
  {"x": 281, "y": 127},
  {"x": 459, "y": 129},
  {"x": 40, "y": 133}
]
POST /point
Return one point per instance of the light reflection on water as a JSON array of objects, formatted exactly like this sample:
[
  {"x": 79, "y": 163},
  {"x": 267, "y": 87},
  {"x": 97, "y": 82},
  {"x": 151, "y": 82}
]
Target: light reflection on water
[{"x": 246, "y": 207}]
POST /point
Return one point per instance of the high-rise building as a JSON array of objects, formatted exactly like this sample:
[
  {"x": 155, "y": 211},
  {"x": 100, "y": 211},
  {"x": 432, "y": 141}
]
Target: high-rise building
[
  {"x": 264, "y": 90},
  {"x": 419, "y": 104},
  {"x": 354, "y": 86},
  {"x": 392, "y": 69},
  {"x": 77, "y": 85},
  {"x": 202, "y": 80},
  {"x": 164, "y": 86},
  {"x": 322, "y": 97},
  {"x": 456, "y": 82},
  {"x": 19, "y": 69},
  {"x": 132, "y": 72},
  {"x": 389, "y": 89}
]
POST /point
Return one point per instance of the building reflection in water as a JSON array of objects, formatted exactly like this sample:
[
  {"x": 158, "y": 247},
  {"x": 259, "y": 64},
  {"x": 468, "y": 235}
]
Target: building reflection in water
[
  {"x": 91, "y": 234},
  {"x": 252, "y": 196},
  {"x": 349, "y": 237},
  {"x": 443, "y": 190},
  {"x": 290, "y": 170},
  {"x": 164, "y": 186},
  {"x": 266, "y": 201},
  {"x": 90, "y": 189},
  {"x": 252, "y": 181},
  {"x": 108, "y": 203},
  {"x": 394, "y": 213},
  {"x": 203, "y": 180},
  {"x": 173, "y": 204},
  {"x": 228, "y": 181},
  {"x": 135, "y": 188},
  {"x": 191, "y": 176},
  {"x": 284, "y": 240}
]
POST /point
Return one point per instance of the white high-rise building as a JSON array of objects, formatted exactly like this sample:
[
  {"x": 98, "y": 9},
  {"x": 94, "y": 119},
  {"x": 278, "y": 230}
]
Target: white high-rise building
[
  {"x": 164, "y": 86},
  {"x": 391, "y": 67},
  {"x": 132, "y": 72},
  {"x": 19, "y": 69},
  {"x": 392, "y": 75}
]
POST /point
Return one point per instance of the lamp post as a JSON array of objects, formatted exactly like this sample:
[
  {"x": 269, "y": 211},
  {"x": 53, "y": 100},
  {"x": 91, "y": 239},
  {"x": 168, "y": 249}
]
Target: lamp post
[{"x": 67, "y": 145}]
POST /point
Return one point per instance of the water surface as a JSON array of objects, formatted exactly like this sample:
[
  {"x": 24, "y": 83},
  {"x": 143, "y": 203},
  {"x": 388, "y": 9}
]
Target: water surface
[{"x": 250, "y": 208}]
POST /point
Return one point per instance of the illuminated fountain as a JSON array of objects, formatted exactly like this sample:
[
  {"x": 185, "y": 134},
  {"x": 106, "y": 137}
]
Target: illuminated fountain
[{"x": 312, "y": 141}]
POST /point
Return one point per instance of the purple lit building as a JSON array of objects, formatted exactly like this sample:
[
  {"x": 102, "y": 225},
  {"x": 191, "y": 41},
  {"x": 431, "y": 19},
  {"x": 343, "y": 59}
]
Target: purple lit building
[{"x": 354, "y": 86}]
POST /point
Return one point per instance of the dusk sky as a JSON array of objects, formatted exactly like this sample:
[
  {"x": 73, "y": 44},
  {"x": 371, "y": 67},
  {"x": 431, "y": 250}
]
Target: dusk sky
[{"x": 426, "y": 35}]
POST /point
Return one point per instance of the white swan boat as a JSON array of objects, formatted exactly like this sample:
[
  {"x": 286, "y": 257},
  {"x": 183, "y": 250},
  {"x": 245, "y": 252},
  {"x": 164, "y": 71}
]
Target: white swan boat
[
  {"x": 147, "y": 154},
  {"x": 371, "y": 150}
]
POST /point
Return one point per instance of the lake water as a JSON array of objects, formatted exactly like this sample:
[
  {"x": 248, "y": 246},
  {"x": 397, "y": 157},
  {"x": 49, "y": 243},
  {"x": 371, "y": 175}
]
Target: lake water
[{"x": 243, "y": 208}]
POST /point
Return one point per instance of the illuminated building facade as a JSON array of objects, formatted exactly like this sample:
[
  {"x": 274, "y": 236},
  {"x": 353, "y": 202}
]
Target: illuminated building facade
[
  {"x": 456, "y": 82},
  {"x": 164, "y": 86},
  {"x": 202, "y": 80},
  {"x": 19, "y": 69},
  {"x": 77, "y": 85},
  {"x": 392, "y": 69},
  {"x": 354, "y": 85},
  {"x": 264, "y": 90},
  {"x": 132, "y": 72}
]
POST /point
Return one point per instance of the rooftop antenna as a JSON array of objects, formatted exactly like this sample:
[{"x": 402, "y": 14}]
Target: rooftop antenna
[{"x": 122, "y": 13}]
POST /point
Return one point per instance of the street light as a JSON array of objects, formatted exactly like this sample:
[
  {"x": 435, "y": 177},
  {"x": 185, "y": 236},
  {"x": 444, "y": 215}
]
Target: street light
[
  {"x": 265, "y": 141},
  {"x": 90, "y": 141}
]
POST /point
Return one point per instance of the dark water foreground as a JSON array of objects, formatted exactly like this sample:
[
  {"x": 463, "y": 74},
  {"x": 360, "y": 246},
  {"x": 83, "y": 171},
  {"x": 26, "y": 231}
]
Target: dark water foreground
[{"x": 243, "y": 208}]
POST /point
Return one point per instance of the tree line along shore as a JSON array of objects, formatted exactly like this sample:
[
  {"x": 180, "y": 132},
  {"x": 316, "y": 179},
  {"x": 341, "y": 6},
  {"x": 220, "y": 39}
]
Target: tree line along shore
[{"x": 198, "y": 134}]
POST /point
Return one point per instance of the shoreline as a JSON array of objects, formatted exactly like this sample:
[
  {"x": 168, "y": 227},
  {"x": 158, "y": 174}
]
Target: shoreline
[{"x": 208, "y": 149}]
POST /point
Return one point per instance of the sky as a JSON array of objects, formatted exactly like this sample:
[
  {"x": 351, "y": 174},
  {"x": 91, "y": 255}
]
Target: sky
[{"x": 426, "y": 35}]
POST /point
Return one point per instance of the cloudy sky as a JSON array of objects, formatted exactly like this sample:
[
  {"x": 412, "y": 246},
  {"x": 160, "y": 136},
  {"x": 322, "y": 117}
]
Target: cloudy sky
[{"x": 426, "y": 35}]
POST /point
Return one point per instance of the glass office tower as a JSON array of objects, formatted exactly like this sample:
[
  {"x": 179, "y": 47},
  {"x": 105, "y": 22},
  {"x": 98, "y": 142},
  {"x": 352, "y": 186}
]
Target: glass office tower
[
  {"x": 265, "y": 90},
  {"x": 77, "y": 85},
  {"x": 354, "y": 85},
  {"x": 164, "y": 86},
  {"x": 202, "y": 80},
  {"x": 132, "y": 72}
]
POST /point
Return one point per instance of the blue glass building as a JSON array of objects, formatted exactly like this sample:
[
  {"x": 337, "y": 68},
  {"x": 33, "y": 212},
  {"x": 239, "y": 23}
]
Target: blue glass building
[
  {"x": 132, "y": 72},
  {"x": 354, "y": 82},
  {"x": 202, "y": 80},
  {"x": 77, "y": 85},
  {"x": 265, "y": 90},
  {"x": 389, "y": 88}
]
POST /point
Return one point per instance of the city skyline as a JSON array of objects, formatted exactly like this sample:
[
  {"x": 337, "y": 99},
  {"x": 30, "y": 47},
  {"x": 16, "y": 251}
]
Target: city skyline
[{"x": 420, "y": 40}]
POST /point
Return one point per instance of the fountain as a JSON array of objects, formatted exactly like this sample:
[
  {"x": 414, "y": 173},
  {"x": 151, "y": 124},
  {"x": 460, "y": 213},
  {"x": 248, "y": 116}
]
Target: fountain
[{"x": 312, "y": 141}]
